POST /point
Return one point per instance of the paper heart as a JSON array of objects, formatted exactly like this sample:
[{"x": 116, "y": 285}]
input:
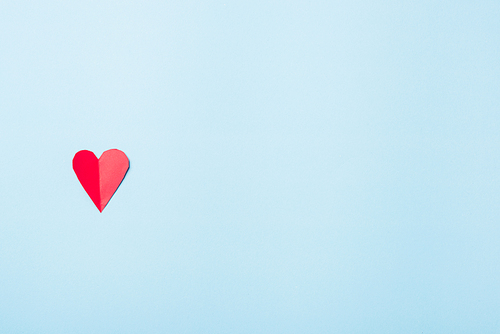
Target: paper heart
[{"x": 100, "y": 177}]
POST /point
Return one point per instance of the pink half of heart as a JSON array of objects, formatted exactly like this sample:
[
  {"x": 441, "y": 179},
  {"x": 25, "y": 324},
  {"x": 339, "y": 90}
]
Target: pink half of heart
[{"x": 100, "y": 177}]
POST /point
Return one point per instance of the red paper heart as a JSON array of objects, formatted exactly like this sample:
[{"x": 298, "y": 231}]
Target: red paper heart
[{"x": 100, "y": 177}]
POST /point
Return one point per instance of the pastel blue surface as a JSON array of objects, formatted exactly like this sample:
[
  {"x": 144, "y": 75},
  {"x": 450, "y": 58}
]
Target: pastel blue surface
[{"x": 295, "y": 167}]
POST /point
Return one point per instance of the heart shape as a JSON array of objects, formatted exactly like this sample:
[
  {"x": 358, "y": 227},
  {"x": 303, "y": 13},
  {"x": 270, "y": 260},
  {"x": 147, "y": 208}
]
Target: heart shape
[{"x": 100, "y": 177}]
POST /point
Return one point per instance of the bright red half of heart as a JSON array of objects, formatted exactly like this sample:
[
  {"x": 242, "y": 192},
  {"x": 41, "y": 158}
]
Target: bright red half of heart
[{"x": 100, "y": 177}]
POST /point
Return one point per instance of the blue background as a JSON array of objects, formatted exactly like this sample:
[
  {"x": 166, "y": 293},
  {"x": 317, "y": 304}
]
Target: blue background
[{"x": 296, "y": 167}]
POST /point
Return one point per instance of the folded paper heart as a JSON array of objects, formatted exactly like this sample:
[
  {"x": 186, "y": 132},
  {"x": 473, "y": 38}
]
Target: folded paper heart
[{"x": 100, "y": 177}]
